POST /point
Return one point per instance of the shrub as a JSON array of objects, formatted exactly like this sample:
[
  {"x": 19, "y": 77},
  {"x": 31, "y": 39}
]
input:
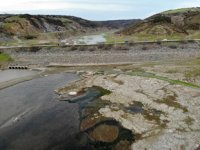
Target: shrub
[
  {"x": 162, "y": 18},
  {"x": 122, "y": 47},
  {"x": 91, "y": 49},
  {"x": 34, "y": 49},
  {"x": 144, "y": 48},
  {"x": 73, "y": 48},
  {"x": 30, "y": 37},
  {"x": 191, "y": 41},
  {"x": 131, "y": 43},
  {"x": 183, "y": 42},
  {"x": 158, "y": 42},
  {"x": 104, "y": 47},
  {"x": 173, "y": 46},
  {"x": 195, "y": 26},
  {"x": 82, "y": 48},
  {"x": 100, "y": 46}
]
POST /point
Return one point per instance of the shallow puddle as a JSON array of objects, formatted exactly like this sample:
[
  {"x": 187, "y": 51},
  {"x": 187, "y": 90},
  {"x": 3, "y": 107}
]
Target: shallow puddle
[{"x": 98, "y": 131}]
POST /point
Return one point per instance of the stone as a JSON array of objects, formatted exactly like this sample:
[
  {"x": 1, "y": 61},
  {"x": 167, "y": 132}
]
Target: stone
[
  {"x": 72, "y": 93},
  {"x": 105, "y": 133}
]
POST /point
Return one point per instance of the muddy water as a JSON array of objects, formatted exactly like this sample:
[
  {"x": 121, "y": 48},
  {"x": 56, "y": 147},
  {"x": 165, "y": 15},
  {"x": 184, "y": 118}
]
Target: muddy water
[
  {"x": 92, "y": 39},
  {"x": 99, "y": 132},
  {"x": 31, "y": 118}
]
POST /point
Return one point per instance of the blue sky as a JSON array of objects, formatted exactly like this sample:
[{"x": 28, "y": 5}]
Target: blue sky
[{"x": 95, "y": 9}]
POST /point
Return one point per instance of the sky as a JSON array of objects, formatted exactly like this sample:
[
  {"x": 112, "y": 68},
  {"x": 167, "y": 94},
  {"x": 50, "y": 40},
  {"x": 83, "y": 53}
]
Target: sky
[{"x": 95, "y": 9}]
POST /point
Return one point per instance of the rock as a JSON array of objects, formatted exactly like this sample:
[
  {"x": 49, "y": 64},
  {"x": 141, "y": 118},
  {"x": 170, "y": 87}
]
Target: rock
[
  {"x": 72, "y": 93},
  {"x": 89, "y": 122},
  {"x": 105, "y": 133},
  {"x": 89, "y": 73}
]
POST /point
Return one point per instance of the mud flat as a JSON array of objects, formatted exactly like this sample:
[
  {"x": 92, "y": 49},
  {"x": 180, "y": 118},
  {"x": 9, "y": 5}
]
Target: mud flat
[{"x": 161, "y": 114}]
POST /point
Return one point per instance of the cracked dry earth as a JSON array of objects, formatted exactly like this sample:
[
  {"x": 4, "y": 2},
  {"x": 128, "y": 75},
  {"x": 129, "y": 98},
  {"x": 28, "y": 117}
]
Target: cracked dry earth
[{"x": 166, "y": 116}]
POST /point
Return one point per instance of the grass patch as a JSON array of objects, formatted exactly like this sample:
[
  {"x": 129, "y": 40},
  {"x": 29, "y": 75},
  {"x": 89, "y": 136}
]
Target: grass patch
[
  {"x": 152, "y": 37},
  {"x": 113, "y": 79},
  {"x": 152, "y": 75},
  {"x": 5, "y": 57},
  {"x": 171, "y": 101},
  {"x": 171, "y": 71},
  {"x": 191, "y": 75},
  {"x": 112, "y": 38},
  {"x": 181, "y": 10},
  {"x": 189, "y": 121},
  {"x": 102, "y": 90}
]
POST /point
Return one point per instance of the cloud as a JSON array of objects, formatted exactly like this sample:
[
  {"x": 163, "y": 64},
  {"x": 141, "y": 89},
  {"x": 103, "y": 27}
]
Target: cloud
[
  {"x": 95, "y": 9},
  {"x": 189, "y": 4},
  {"x": 30, "y": 5}
]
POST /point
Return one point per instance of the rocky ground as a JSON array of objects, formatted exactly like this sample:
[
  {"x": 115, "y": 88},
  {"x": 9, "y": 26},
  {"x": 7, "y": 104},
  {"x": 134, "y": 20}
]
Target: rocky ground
[
  {"x": 104, "y": 53},
  {"x": 169, "y": 116},
  {"x": 161, "y": 110},
  {"x": 152, "y": 103}
]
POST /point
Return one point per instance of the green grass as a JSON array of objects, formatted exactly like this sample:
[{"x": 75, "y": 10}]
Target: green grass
[
  {"x": 151, "y": 75},
  {"x": 151, "y": 37},
  {"x": 181, "y": 10},
  {"x": 14, "y": 19},
  {"x": 102, "y": 90},
  {"x": 191, "y": 74},
  {"x": 172, "y": 102},
  {"x": 5, "y": 57},
  {"x": 112, "y": 38}
]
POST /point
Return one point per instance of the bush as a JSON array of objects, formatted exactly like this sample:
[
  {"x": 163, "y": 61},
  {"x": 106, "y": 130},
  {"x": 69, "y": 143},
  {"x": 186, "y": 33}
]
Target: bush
[
  {"x": 144, "y": 48},
  {"x": 73, "y": 48},
  {"x": 131, "y": 43},
  {"x": 162, "y": 18},
  {"x": 191, "y": 41},
  {"x": 91, "y": 49},
  {"x": 30, "y": 37},
  {"x": 122, "y": 47},
  {"x": 159, "y": 42},
  {"x": 173, "y": 46},
  {"x": 183, "y": 42},
  {"x": 34, "y": 49},
  {"x": 195, "y": 26},
  {"x": 82, "y": 48},
  {"x": 104, "y": 47}
]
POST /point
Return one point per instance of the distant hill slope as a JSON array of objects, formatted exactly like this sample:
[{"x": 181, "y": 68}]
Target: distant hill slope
[
  {"x": 29, "y": 26},
  {"x": 180, "y": 21},
  {"x": 47, "y": 27},
  {"x": 117, "y": 24}
]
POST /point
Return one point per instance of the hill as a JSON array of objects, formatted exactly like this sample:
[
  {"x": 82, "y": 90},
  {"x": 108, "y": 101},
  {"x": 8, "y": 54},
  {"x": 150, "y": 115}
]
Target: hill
[
  {"x": 49, "y": 28},
  {"x": 117, "y": 24},
  {"x": 175, "y": 23},
  {"x": 31, "y": 26}
]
